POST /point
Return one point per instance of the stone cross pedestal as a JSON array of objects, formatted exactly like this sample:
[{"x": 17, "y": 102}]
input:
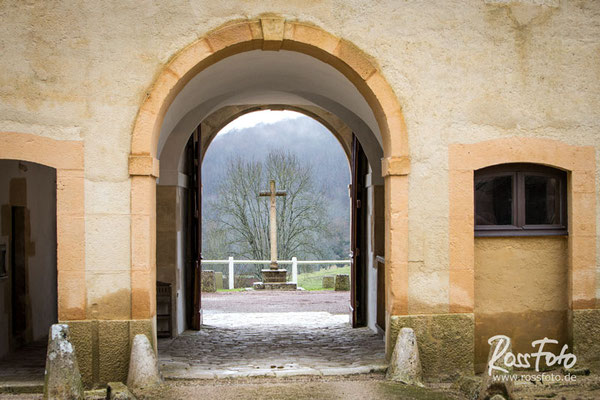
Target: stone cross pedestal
[{"x": 273, "y": 278}]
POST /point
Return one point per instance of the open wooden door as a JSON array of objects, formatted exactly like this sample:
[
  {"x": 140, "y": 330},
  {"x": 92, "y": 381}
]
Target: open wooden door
[
  {"x": 358, "y": 195},
  {"x": 196, "y": 231}
]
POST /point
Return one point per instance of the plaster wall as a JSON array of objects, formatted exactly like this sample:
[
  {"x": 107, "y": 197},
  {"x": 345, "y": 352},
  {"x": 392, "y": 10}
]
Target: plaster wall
[
  {"x": 32, "y": 186},
  {"x": 521, "y": 291}
]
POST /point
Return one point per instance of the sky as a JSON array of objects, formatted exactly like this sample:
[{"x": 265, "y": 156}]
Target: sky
[{"x": 254, "y": 118}]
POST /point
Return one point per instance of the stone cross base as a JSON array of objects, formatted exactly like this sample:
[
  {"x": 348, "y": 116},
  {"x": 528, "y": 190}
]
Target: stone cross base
[
  {"x": 274, "y": 275},
  {"x": 274, "y": 279},
  {"x": 275, "y": 286}
]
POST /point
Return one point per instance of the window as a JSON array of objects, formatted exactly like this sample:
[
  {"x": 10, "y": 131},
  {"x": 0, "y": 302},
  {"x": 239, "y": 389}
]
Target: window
[{"x": 520, "y": 200}]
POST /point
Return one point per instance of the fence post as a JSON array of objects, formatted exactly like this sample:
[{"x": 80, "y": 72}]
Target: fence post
[
  {"x": 294, "y": 270},
  {"x": 231, "y": 273}
]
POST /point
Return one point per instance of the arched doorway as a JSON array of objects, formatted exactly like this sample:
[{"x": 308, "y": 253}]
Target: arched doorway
[
  {"x": 232, "y": 66},
  {"x": 312, "y": 324},
  {"x": 43, "y": 221},
  {"x": 28, "y": 273}
]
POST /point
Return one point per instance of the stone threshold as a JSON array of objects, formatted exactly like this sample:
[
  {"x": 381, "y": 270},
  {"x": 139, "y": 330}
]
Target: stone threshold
[
  {"x": 194, "y": 373},
  {"x": 17, "y": 387}
]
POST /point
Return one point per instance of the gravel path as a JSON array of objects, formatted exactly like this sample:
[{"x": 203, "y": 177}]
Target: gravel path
[{"x": 280, "y": 301}]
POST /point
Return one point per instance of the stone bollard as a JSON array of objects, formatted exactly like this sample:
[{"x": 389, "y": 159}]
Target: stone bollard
[
  {"x": 494, "y": 388},
  {"x": 208, "y": 281},
  {"x": 218, "y": 281},
  {"x": 342, "y": 282},
  {"x": 405, "y": 364},
  {"x": 328, "y": 282},
  {"x": 62, "y": 378},
  {"x": 118, "y": 391},
  {"x": 143, "y": 365}
]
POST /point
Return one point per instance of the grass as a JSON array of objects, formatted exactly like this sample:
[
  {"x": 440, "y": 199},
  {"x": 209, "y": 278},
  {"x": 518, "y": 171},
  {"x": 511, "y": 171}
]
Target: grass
[
  {"x": 309, "y": 281},
  {"x": 314, "y": 280}
]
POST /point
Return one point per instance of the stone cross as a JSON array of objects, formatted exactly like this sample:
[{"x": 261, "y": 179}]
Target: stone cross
[{"x": 273, "y": 221}]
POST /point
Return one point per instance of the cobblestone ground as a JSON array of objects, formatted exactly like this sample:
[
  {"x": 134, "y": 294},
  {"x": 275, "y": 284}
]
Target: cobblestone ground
[{"x": 272, "y": 344}]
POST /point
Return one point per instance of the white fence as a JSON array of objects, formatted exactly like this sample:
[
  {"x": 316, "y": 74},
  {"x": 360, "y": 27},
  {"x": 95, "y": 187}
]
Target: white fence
[{"x": 294, "y": 261}]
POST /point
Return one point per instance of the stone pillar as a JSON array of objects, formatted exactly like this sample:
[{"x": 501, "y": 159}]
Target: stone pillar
[
  {"x": 396, "y": 249},
  {"x": 328, "y": 282},
  {"x": 218, "y": 280},
  {"x": 208, "y": 283},
  {"x": 143, "y": 247},
  {"x": 342, "y": 282}
]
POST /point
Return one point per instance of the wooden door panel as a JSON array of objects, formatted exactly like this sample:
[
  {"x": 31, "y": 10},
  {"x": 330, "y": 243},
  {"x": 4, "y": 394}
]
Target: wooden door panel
[
  {"x": 357, "y": 235},
  {"x": 197, "y": 231}
]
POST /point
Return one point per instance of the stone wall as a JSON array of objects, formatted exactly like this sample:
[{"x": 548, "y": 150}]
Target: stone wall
[{"x": 464, "y": 72}]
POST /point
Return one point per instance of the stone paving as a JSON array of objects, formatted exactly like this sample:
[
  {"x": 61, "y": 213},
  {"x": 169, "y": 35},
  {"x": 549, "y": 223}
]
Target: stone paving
[
  {"x": 272, "y": 344},
  {"x": 25, "y": 367}
]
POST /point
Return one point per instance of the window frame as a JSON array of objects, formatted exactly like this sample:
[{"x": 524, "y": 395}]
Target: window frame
[{"x": 518, "y": 227}]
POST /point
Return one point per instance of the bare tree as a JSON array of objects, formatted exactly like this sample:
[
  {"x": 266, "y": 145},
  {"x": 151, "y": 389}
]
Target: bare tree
[{"x": 302, "y": 217}]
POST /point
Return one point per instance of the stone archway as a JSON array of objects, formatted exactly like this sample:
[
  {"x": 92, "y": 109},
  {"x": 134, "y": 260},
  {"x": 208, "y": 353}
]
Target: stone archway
[
  {"x": 268, "y": 34},
  {"x": 171, "y": 156}
]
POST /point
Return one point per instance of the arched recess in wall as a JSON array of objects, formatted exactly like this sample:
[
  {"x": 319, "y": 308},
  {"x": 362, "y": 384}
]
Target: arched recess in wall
[
  {"x": 376, "y": 119},
  {"x": 66, "y": 157},
  {"x": 579, "y": 163}
]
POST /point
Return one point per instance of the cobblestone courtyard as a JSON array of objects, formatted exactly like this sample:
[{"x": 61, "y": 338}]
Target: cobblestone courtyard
[{"x": 283, "y": 343}]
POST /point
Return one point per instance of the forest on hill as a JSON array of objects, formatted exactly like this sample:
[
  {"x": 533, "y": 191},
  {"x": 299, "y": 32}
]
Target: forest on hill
[{"x": 313, "y": 219}]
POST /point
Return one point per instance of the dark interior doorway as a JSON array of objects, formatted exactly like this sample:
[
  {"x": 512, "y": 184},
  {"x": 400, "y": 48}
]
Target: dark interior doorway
[{"x": 28, "y": 278}]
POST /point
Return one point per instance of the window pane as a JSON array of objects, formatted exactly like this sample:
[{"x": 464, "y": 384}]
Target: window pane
[
  {"x": 493, "y": 200},
  {"x": 542, "y": 200}
]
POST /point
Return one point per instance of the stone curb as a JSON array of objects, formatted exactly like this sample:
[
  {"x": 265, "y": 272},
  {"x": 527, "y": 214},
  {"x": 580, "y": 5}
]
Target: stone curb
[{"x": 199, "y": 374}]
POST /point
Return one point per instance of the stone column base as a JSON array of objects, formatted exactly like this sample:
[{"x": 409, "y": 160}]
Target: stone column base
[
  {"x": 446, "y": 342},
  {"x": 103, "y": 347},
  {"x": 274, "y": 275},
  {"x": 586, "y": 336},
  {"x": 274, "y": 286}
]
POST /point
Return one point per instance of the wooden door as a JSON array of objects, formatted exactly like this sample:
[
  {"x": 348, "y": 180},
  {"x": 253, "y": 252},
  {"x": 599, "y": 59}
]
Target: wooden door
[
  {"x": 196, "y": 230},
  {"x": 358, "y": 209}
]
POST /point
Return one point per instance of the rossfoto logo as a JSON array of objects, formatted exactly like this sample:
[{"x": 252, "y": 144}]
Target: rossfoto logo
[{"x": 502, "y": 357}]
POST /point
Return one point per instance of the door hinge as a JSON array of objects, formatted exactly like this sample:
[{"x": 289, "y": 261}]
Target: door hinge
[{"x": 358, "y": 203}]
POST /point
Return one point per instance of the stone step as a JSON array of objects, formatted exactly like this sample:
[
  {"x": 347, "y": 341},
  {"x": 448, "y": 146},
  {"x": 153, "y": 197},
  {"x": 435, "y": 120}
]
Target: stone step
[{"x": 22, "y": 387}]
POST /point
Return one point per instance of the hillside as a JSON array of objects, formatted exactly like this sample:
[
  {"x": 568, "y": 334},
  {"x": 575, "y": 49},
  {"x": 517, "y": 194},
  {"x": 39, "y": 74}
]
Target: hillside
[{"x": 310, "y": 141}]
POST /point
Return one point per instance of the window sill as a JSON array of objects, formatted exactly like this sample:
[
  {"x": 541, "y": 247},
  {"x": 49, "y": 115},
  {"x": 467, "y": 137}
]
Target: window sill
[{"x": 520, "y": 232}]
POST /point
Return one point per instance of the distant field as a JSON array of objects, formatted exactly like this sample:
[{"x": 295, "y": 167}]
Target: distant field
[{"x": 314, "y": 280}]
